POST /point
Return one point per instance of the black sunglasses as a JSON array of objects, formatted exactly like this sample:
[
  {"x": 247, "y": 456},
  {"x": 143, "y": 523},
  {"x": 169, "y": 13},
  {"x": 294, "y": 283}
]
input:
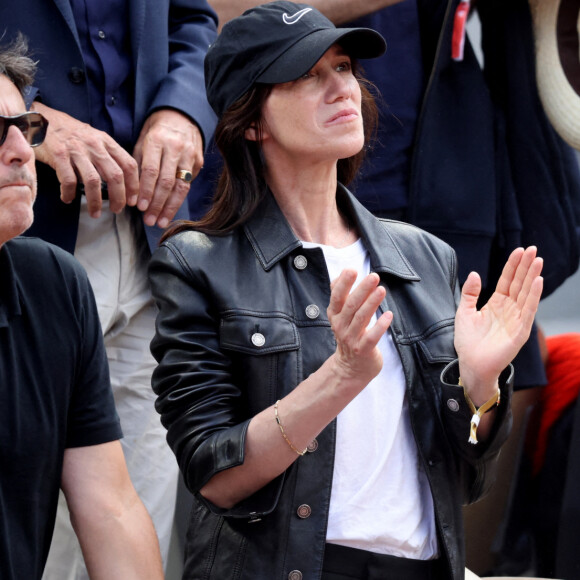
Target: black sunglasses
[{"x": 32, "y": 126}]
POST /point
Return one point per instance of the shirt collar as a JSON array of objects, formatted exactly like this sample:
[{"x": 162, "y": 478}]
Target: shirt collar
[{"x": 272, "y": 237}]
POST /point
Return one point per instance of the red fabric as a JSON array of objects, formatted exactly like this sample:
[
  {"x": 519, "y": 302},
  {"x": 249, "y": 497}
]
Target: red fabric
[
  {"x": 563, "y": 371},
  {"x": 459, "y": 22}
]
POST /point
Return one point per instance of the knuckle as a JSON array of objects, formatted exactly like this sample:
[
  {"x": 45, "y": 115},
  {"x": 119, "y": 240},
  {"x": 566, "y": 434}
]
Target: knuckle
[
  {"x": 130, "y": 165},
  {"x": 166, "y": 183},
  {"x": 92, "y": 180},
  {"x": 116, "y": 177},
  {"x": 149, "y": 171}
]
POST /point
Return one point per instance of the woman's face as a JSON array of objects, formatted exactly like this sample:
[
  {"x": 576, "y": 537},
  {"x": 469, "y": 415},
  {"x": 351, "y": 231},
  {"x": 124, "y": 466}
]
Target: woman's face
[{"x": 317, "y": 117}]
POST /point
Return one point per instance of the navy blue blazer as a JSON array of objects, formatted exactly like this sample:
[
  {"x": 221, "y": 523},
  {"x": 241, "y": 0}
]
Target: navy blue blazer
[{"x": 169, "y": 39}]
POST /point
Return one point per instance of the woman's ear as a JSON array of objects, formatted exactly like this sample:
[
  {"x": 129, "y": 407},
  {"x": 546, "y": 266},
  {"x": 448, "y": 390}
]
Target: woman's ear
[{"x": 251, "y": 133}]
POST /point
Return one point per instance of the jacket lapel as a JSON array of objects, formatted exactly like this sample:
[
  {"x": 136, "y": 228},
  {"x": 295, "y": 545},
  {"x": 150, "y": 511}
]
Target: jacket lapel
[
  {"x": 67, "y": 13},
  {"x": 136, "y": 25}
]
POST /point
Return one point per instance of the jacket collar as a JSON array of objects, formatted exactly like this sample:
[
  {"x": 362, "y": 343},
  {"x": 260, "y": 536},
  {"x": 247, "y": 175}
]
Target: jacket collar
[{"x": 272, "y": 238}]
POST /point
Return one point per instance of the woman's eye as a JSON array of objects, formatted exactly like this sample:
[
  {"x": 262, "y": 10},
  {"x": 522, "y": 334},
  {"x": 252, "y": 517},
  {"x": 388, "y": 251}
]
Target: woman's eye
[{"x": 344, "y": 66}]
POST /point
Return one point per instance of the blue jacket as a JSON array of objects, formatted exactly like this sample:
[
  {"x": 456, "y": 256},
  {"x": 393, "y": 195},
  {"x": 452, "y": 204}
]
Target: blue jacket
[{"x": 169, "y": 40}]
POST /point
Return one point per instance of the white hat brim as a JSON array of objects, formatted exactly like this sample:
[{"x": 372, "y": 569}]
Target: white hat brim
[{"x": 559, "y": 99}]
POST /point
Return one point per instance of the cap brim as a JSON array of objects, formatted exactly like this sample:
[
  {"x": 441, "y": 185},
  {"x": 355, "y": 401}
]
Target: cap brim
[{"x": 306, "y": 52}]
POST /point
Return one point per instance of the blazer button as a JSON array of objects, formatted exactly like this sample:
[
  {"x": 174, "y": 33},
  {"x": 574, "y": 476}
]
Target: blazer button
[
  {"x": 304, "y": 511},
  {"x": 76, "y": 75},
  {"x": 295, "y": 575},
  {"x": 312, "y": 311},
  {"x": 258, "y": 339},
  {"x": 312, "y": 446},
  {"x": 300, "y": 262}
]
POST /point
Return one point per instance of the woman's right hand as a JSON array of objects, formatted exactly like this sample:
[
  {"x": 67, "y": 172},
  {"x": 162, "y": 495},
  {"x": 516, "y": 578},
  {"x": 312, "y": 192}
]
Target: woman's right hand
[{"x": 357, "y": 356}]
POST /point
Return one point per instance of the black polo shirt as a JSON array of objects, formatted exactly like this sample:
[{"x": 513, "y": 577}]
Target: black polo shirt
[{"x": 54, "y": 392}]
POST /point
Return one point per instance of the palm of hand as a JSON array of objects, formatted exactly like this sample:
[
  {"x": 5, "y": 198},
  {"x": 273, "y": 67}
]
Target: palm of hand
[{"x": 487, "y": 340}]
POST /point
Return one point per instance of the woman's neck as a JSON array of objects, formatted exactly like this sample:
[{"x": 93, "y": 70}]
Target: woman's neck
[{"x": 308, "y": 201}]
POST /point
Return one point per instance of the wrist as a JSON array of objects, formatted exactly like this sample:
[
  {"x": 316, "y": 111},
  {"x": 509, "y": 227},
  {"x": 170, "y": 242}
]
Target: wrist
[{"x": 479, "y": 388}]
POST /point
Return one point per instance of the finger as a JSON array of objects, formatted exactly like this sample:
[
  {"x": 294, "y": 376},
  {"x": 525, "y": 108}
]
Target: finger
[
  {"x": 358, "y": 297},
  {"x": 166, "y": 183},
  {"x": 363, "y": 316},
  {"x": 149, "y": 172},
  {"x": 470, "y": 292},
  {"x": 180, "y": 190},
  {"x": 173, "y": 203},
  {"x": 532, "y": 301},
  {"x": 164, "y": 205},
  {"x": 111, "y": 174},
  {"x": 376, "y": 331},
  {"x": 339, "y": 290},
  {"x": 508, "y": 272},
  {"x": 521, "y": 272},
  {"x": 129, "y": 178},
  {"x": 91, "y": 180},
  {"x": 67, "y": 178},
  {"x": 534, "y": 270}
]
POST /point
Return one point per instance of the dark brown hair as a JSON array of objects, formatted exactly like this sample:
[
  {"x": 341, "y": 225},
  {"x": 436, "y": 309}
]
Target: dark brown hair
[{"x": 242, "y": 184}]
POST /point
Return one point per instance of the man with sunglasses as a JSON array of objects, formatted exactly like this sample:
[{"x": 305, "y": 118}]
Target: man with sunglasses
[
  {"x": 121, "y": 83},
  {"x": 58, "y": 425}
]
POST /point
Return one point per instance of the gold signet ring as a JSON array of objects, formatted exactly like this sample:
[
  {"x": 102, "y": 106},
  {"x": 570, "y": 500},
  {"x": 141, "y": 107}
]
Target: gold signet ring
[{"x": 184, "y": 175}]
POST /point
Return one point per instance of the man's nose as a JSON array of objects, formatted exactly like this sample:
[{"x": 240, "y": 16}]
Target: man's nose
[{"x": 15, "y": 148}]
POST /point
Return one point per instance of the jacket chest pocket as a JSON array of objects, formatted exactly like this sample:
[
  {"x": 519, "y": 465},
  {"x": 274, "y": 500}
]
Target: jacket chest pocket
[
  {"x": 264, "y": 348},
  {"x": 433, "y": 351},
  {"x": 437, "y": 347}
]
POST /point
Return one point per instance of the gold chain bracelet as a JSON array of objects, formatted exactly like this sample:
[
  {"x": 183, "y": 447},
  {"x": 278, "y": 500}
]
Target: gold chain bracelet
[{"x": 284, "y": 434}]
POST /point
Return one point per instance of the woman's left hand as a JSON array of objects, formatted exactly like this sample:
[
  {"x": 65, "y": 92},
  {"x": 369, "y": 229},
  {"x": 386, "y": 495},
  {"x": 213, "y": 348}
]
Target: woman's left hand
[{"x": 487, "y": 340}]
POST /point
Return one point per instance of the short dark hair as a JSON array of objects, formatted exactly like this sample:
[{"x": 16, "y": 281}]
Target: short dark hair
[
  {"x": 16, "y": 63},
  {"x": 242, "y": 183}
]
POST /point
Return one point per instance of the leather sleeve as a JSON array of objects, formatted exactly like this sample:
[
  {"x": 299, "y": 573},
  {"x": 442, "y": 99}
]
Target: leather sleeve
[
  {"x": 196, "y": 393},
  {"x": 480, "y": 461}
]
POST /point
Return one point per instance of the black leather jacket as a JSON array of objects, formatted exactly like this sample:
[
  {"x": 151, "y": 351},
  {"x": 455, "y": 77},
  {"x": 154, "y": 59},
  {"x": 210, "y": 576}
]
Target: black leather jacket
[{"x": 214, "y": 294}]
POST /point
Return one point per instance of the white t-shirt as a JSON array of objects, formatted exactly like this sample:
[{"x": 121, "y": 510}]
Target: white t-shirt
[{"x": 380, "y": 500}]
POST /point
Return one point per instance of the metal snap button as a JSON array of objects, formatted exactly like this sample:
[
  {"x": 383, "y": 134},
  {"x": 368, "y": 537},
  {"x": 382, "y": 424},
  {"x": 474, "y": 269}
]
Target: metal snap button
[
  {"x": 312, "y": 446},
  {"x": 258, "y": 339},
  {"x": 102, "y": 34},
  {"x": 295, "y": 575},
  {"x": 312, "y": 311},
  {"x": 300, "y": 262},
  {"x": 304, "y": 511},
  {"x": 453, "y": 405}
]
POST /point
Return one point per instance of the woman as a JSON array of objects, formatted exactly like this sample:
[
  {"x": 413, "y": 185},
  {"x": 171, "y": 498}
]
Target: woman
[{"x": 320, "y": 426}]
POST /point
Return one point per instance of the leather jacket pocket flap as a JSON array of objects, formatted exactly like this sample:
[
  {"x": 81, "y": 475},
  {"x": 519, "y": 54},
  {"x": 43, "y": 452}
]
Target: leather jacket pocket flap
[
  {"x": 437, "y": 346},
  {"x": 258, "y": 334}
]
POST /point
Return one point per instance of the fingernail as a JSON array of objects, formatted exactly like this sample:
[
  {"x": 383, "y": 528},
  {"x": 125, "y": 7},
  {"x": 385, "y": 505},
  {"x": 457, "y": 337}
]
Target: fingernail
[
  {"x": 132, "y": 200},
  {"x": 143, "y": 205},
  {"x": 96, "y": 214},
  {"x": 150, "y": 220},
  {"x": 163, "y": 222}
]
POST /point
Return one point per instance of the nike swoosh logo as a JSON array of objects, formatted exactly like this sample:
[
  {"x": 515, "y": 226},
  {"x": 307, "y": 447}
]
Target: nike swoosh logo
[{"x": 295, "y": 17}]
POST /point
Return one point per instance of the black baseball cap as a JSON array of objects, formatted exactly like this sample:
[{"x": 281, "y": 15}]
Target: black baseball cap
[{"x": 276, "y": 43}]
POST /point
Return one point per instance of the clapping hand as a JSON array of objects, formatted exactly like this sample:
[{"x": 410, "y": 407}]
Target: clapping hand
[{"x": 487, "y": 340}]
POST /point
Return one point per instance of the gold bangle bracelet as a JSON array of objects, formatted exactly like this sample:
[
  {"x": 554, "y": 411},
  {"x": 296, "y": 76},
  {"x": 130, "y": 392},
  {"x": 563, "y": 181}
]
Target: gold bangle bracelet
[{"x": 284, "y": 434}]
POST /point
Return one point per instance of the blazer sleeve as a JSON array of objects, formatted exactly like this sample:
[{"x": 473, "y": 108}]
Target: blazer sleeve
[{"x": 192, "y": 28}]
